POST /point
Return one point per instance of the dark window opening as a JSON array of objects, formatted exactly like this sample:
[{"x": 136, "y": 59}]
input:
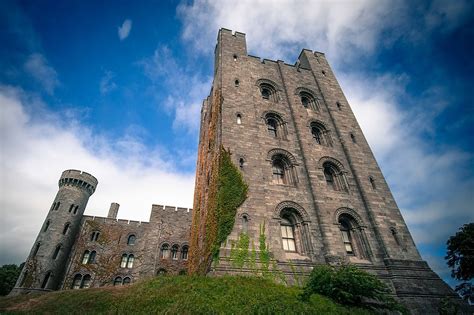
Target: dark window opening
[
  {"x": 37, "y": 247},
  {"x": 131, "y": 240},
  {"x": 372, "y": 183},
  {"x": 353, "y": 138},
  {"x": 241, "y": 163},
  {"x": 46, "y": 280},
  {"x": 347, "y": 237},
  {"x": 66, "y": 228},
  {"x": 71, "y": 207},
  {"x": 174, "y": 252},
  {"x": 57, "y": 206},
  {"x": 75, "y": 209},
  {"x": 237, "y": 83},
  {"x": 245, "y": 223},
  {"x": 165, "y": 251},
  {"x": 95, "y": 236},
  {"x": 46, "y": 226},
  {"x": 126, "y": 280},
  {"x": 117, "y": 281},
  {"x": 239, "y": 119},
  {"x": 56, "y": 251},
  {"x": 272, "y": 126},
  {"x": 184, "y": 253}
]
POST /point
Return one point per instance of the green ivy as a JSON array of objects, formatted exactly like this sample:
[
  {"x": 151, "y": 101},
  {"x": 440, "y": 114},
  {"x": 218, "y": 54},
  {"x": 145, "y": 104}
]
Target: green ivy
[
  {"x": 231, "y": 193},
  {"x": 240, "y": 251}
]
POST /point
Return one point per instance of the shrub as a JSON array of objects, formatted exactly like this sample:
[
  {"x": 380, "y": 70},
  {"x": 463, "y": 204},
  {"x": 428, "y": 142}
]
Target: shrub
[{"x": 351, "y": 286}]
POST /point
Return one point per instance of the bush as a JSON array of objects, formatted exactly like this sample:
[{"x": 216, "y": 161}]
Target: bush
[{"x": 351, "y": 286}]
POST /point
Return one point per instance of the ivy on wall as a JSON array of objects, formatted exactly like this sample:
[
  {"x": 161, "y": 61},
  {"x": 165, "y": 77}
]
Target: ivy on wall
[{"x": 220, "y": 190}]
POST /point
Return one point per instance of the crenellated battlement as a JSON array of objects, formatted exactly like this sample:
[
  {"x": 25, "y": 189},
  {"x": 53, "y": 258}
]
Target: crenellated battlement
[
  {"x": 169, "y": 213},
  {"x": 79, "y": 179}
]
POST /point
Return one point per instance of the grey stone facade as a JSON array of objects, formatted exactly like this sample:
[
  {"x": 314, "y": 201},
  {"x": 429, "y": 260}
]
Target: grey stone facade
[
  {"x": 309, "y": 169},
  {"x": 102, "y": 251}
]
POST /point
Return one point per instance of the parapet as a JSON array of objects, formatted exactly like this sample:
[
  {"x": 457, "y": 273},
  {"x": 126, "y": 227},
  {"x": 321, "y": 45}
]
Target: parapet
[
  {"x": 169, "y": 213},
  {"x": 79, "y": 179}
]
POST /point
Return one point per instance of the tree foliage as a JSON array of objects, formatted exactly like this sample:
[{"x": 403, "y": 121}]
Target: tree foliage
[
  {"x": 348, "y": 285},
  {"x": 8, "y": 276},
  {"x": 460, "y": 258}
]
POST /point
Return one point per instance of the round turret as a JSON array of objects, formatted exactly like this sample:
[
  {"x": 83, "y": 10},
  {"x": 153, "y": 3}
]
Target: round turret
[{"x": 46, "y": 264}]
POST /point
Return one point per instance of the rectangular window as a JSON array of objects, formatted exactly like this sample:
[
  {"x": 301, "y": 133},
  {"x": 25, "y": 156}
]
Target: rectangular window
[{"x": 288, "y": 238}]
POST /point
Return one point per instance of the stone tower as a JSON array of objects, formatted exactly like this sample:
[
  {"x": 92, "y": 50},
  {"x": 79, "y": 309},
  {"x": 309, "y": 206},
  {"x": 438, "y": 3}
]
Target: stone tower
[
  {"x": 45, "y": 267},
  {"x": 313, "y": 181}
]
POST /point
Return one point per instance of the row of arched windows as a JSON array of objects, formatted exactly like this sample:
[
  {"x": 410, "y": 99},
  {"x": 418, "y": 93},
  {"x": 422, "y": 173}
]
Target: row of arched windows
[
  {"x": 174, "y": 252},
  {"x": 122, "y": 281},
  {"x": 131, "y": 239},
  {"x": 81, "y": 281}
]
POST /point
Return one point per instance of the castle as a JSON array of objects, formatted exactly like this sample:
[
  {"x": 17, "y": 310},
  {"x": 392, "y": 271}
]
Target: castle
[{"x": 311, "y": 181}]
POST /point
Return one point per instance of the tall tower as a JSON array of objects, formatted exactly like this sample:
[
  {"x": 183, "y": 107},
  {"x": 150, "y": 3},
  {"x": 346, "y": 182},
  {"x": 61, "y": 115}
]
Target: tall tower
[
  {"x": 45, "y": 267},
  {"x": 312, "y": 178}
]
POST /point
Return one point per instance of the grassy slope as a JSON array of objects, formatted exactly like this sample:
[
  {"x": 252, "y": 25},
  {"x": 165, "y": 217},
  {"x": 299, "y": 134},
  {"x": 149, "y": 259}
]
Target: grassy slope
[{"x": 178, "y": 295}]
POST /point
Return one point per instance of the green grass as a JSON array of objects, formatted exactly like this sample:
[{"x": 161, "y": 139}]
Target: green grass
[{"x": 178, "y": 295}]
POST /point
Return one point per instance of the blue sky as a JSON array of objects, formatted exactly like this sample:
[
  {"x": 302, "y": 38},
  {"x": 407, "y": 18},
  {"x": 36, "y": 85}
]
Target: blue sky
[{"x": 115, "y": 89}]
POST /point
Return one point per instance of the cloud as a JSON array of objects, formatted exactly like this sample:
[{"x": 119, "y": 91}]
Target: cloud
[
  {"x": 124, "y": 30},
  {"x": 37, "y": 66},
  {"x": 37, "y": 145},
  {"x": 106, "y": 83},
  {"x": 184, "y": 89}
]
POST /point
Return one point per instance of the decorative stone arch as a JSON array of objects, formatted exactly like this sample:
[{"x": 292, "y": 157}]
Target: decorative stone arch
[
  {"x": 349, "y": 212},
  {"x": 287, "y": 204},
  {"x": 269, "y": 82},
  {"x": 286, "y": 154},
  {"x": 325, "y": 159},
  {"x": 356, "y": 229},
  {"x": 293, "y": 217},
  {"x": 305, "y": 90},
  {"x": 274, "y": 113}
]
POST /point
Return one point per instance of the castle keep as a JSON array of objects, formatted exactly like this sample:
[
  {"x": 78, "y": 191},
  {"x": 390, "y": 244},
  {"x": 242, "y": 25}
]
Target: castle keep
[{"x": 311, "y": 185}]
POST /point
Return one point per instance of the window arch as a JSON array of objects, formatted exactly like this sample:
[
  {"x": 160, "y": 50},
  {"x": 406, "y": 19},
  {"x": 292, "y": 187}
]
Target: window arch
[
  {"x": 309, "y": 101},
  {"x": 86, "y": 282},
  {"x": 37, "y": 247},
  {"x": 353, "y": 236},
  {"x": 283, "y": 172},
  {"x": 241, "y": 162},
  {"x": 174, "y": 252},
  {"x": 320, "y": 134},
  {"x": 126, "y": 280},
  {"x": 239, "y": 119},
  {"x": 334, "y": 177},
  {"x": 130, "y": 260},
  {"x": 245, "y": 223},
  {"x": 294, "y": 231},
  {"x": 57, "y": 206},
  {"x": 184, "y": 252},
  {"x": 372, "y": 182},
  {"x": 268, "y": 92},
  {"x": 275, "y": 125},
  {"x": 131, "y": 239},
  {"x": 85, "y": 257},
  {"x": 165, "y": 251},
  {"x": 127, "y": 261}
]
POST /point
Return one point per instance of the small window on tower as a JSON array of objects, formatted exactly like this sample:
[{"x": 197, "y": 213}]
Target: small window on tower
[
  {"x": 241, "y": 163},
  {"x": 237, "y": 83},
  {"x": 239, "y": 119},
  {"x": 46, "y": 226},
  {"x": 235, "y": 57}
]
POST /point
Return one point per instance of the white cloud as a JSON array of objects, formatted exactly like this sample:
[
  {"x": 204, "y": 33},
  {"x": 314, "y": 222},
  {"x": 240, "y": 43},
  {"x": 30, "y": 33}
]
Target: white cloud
[
  {"x": 184, "y": 89},
  {"x": 36, "y": 148},
  {"x": 106, "y": 83},
  {"x": 124, "y": 30},
  {"x": 37, "y": 66}
]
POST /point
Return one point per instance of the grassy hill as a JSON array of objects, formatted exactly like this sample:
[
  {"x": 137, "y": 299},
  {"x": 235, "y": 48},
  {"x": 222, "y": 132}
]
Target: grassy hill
[{"x": 178, "y": 295}]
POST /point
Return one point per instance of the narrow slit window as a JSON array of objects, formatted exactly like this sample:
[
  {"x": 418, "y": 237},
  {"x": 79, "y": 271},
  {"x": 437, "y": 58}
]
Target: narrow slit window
[
  {"x": 46, "y": 226},
  {"x": 56, "y": 251},
  {"x": 239, "y": 119}
]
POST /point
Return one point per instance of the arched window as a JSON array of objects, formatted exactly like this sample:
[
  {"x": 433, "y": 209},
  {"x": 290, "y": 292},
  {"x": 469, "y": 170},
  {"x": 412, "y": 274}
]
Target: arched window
[
  {"x": 347, "y": 237},
  {"x": 174, "y": 252},
  {"x": 46, "y": 226},
  {"x": 372, "y": 182},
  {"x": 353, "y": 138},
  {"x": 241, "y": 162},
  {"x": 52, "y": 206},
  {"x": 184, "y": 252},
  {"x": 268, "y": 92},
  {"x": 92, "y": 257},
  {"x": 236, "y": 83},
  {"x": 85, "y": 257},
  {"x": 282, "y": 171},
  {"x": 126, "y": 280},
  {"x": 95, "y": 236},
  {"x": 117, "y": 281},
  {"x": 37, "y": 247},
  {"x": 334, "y": 177},
  {"x": 288, "y": 235},
  {"x": 46, "y": 278},
  {"x": 131, "y": 239},
  {"x": 339, "y": 106},
  {"x": 275, "y": 126},
  {"x": 165, "y": 251},
  {"x": 320, "y": 134},
  {"x": 70, "y": 208},
  {"x": 353, "y": 237},
  {"x": 309, "y": 101},
  {"x": 123, "y": 263},
  {"x": 395, "y": 235},
  {"x": 75, "y": 209},
  {"x": 161, "y": 272},
  {"x": 130, "y": 260},
  {"x": 239, "y": 119},
  {"x": 57, "y": 206},
  {"x": 245, "y": 223},
  {"x": 66, "y": 228},
  {"x": 76, "y": 283},
  {"x": 86, "y": 282},
  {"x": 56, "y": 251},
  {"x": 294, "y": 232}
]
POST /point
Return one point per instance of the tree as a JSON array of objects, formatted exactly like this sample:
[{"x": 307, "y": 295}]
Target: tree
[
  {"x": 8, "y": 276},
  {"x": 460, "y": 258}
]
